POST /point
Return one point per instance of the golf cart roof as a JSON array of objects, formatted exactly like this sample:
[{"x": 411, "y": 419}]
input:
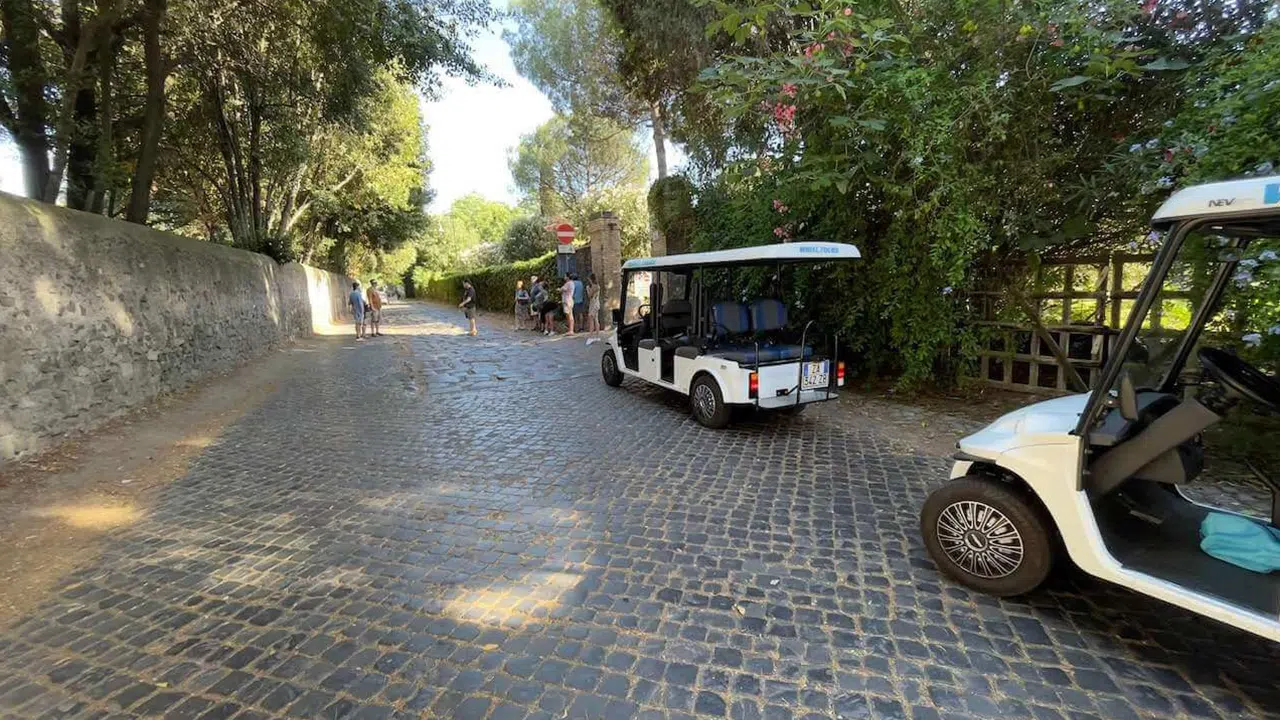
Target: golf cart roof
[
  {"x": 797, "y": 252},
  {"x": 1256, "y": 198}
]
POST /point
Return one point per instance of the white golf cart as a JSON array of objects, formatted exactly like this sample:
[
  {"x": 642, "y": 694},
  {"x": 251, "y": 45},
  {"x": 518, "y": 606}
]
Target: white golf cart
[
  {"x": 684, "y": 325},
  {"x": 1101, "y": 475}
]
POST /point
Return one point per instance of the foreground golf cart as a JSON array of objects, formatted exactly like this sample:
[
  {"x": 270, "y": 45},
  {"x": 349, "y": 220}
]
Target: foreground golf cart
[
  {"x": 684, "y": 325},
  {"x": 1099, "y": 474}
]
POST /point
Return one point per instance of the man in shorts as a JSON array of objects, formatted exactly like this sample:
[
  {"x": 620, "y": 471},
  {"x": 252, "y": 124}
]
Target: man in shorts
[
  {"x": 375, "y": 309},
  {"x": 356, "y": 301},
  {"x": 468, "y": 305},
  {"x": 579, "y": 302}
]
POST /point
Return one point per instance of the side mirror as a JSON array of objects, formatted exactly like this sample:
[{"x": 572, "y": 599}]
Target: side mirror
[{"x": 617, "y": 316}]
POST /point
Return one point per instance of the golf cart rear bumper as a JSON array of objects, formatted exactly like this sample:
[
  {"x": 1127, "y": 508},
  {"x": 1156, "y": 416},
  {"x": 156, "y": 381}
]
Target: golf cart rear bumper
[{"x": 781, "y": 402}]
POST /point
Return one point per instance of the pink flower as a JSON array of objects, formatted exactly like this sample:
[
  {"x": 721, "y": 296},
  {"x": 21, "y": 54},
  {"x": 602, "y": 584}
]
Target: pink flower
[
  {"x": 789, "y": 89},
  {"x": 848, "y": 12},
  {"x": 831, "y": 36},
  {"x": 779, "y": 231}
]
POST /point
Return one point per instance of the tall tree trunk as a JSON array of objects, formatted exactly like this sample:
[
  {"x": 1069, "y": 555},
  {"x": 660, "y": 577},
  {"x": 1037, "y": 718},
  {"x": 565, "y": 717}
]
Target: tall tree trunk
[
  {"x": 255, "y": 163},
  {"x": 157, "y": 69},
  {"x": 81, "y": 143},
  {"x": 659, "y": 138},
  {"x": 91, "y": 36},
  {"x": 27, "y": 120},
  {"x": 105, "y": 154}
]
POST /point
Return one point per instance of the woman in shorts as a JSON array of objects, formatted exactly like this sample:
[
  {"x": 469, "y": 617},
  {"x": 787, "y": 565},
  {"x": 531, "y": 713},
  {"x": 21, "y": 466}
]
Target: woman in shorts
[{"x": 566, "y": 301}]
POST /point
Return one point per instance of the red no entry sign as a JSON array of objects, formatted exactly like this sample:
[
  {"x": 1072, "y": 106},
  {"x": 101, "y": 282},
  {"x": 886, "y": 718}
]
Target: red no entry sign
[{"x": 564, "y": 233}]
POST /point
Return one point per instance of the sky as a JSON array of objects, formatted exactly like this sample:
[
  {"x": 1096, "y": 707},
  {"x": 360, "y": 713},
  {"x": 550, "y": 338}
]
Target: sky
[
  {"x": 10, "y": 170},
  {"x": 470, "y": 130}
]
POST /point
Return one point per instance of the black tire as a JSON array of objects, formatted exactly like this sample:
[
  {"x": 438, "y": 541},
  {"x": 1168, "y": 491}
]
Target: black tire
[
  {"x": 975, "y": 548},
  {"x": 609, "y": 369},
  {"x": 707, "y": 403}
]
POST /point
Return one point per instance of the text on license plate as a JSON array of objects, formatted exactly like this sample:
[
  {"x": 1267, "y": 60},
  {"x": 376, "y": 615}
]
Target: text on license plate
[{"x": 815, "y": 375}]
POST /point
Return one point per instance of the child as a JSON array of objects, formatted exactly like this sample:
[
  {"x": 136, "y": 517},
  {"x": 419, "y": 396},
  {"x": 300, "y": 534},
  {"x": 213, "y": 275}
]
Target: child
[{"x": 522, "y": 305}]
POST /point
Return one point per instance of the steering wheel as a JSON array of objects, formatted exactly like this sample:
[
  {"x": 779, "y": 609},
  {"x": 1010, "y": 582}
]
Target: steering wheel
[{"x": 1240, "y": 378}]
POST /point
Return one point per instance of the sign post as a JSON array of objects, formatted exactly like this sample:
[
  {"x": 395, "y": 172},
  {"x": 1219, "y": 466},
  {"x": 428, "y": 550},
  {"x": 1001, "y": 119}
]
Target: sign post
[{"x": 564, "y": 247}]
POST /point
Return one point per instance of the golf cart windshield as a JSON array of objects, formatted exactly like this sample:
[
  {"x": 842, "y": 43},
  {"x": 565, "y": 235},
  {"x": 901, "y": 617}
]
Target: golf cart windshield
[
  {"x": 1189, "y": 312},
  {"x": 1212, "y": 296}
]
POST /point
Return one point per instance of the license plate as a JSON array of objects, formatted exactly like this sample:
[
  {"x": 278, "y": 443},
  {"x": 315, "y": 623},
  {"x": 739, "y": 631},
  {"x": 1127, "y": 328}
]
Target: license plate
[{"x": 815, "y": 375}]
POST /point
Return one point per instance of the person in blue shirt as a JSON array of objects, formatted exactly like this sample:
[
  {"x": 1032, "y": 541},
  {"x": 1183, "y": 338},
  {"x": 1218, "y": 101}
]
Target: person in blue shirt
[
  {"x": 357, "y": 302},
  {"x": 579, "y": 302}
]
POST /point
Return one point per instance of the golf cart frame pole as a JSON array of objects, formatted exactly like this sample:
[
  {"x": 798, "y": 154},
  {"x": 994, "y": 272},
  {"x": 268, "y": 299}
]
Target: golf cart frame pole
[
  {"x": 835, "y": 365},
  {"x": 756, "y": 371},
  {"x": 1208, "y": 304},
  {"x": 804, "y": 334},
  {"x": 1142, "y": 304}
]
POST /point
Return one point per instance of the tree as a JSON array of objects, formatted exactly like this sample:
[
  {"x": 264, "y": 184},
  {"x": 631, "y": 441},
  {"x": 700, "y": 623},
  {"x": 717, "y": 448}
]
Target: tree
[
  {"x": 568, "y": 50},
  {"x": 469, "y": 235},
  {"x": 242, "y": 116},
  {"x": 662, "y": 48},
  {"x": 488, "y": 218},
  {"x": 569, "y": 159},
  {"x": 944, "y": 139},
  {"x": 527, "y": 238},
  {"x": 573, "y": 52}
]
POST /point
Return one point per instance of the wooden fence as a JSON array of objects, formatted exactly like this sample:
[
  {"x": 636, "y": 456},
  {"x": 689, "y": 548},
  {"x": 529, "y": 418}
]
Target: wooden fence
[{"x": 1040, "y": 342}]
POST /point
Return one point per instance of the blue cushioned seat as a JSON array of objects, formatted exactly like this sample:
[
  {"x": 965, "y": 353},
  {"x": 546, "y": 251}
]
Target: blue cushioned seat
[
  {"x": 768, "y": 314},
  {"x": 730, "y": 318}
]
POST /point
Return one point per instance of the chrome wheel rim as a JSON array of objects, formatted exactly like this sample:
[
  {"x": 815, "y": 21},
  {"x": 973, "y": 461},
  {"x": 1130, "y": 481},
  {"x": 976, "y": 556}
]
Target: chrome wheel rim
[
  {"x": 704, "y": 401},
  {"x": 609, "y": 367},
  {"x": 980, "y": 539}
]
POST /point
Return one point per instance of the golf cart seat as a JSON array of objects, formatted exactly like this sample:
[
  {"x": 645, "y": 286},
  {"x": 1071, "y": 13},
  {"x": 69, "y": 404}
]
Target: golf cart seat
[
  {"x": 744, "y": 354},
  {"x": 768, "y": 314},
  {"x": 730, "y": 318},
  {"x": 675, "y": 315}
]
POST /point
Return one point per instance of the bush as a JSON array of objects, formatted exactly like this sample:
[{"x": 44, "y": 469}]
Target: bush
[
  {"x": 495, "y": 285},
  {"x": 526, "y": 238}
]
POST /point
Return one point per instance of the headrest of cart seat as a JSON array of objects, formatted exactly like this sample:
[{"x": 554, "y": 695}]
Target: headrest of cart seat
[
  {"x": 730, "y": 317},
  {"x": 768, "y": 314}
]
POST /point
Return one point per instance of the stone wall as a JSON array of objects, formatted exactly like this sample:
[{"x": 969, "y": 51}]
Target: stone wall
[{"x": 98, "y": 316}]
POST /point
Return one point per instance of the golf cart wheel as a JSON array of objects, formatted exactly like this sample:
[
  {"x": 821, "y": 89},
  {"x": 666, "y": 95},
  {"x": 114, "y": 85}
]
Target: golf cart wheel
[
  {"x": 609, "y": 369},
  {"x": 988, "y": 536},
  {"x": 708, "y": 403}
]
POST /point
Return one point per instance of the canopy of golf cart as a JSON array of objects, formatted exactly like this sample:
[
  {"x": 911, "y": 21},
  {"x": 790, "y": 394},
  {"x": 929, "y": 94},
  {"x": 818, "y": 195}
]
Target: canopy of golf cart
[
  {"x": 797, "y": 252},
  {"x": 1258, "y": 198}
]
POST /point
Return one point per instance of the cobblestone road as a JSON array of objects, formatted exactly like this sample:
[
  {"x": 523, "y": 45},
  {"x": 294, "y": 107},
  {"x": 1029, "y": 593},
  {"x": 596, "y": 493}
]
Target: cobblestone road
[{"x": 432, "y": 525}]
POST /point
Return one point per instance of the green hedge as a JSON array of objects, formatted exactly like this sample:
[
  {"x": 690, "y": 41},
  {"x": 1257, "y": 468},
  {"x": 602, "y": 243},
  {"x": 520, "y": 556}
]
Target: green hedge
[{"x": 495, "y": 285}]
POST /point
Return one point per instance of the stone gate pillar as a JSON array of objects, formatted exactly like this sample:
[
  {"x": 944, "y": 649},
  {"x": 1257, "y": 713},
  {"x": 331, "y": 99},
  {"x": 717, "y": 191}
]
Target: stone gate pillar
[
  {"x": 605, "y": 231},
  {"x": 657, "y": 243}
]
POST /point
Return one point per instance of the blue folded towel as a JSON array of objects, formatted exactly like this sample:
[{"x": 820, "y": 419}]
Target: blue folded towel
[{"x": 1241, "y": 542}]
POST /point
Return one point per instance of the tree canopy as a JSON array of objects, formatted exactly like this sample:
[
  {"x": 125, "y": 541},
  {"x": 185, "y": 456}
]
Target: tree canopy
[
  {"x": 287, "y": 127},
  {"x": 470, "y": 234}
]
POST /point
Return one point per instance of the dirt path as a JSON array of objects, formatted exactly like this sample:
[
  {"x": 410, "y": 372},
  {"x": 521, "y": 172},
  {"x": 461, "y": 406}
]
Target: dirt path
[{"x": 57, "y": 507}]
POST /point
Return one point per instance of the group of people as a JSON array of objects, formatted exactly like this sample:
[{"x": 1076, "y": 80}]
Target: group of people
[
  {"x": 579, "y": 303},
  {"x": 366, "y": 309}
]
